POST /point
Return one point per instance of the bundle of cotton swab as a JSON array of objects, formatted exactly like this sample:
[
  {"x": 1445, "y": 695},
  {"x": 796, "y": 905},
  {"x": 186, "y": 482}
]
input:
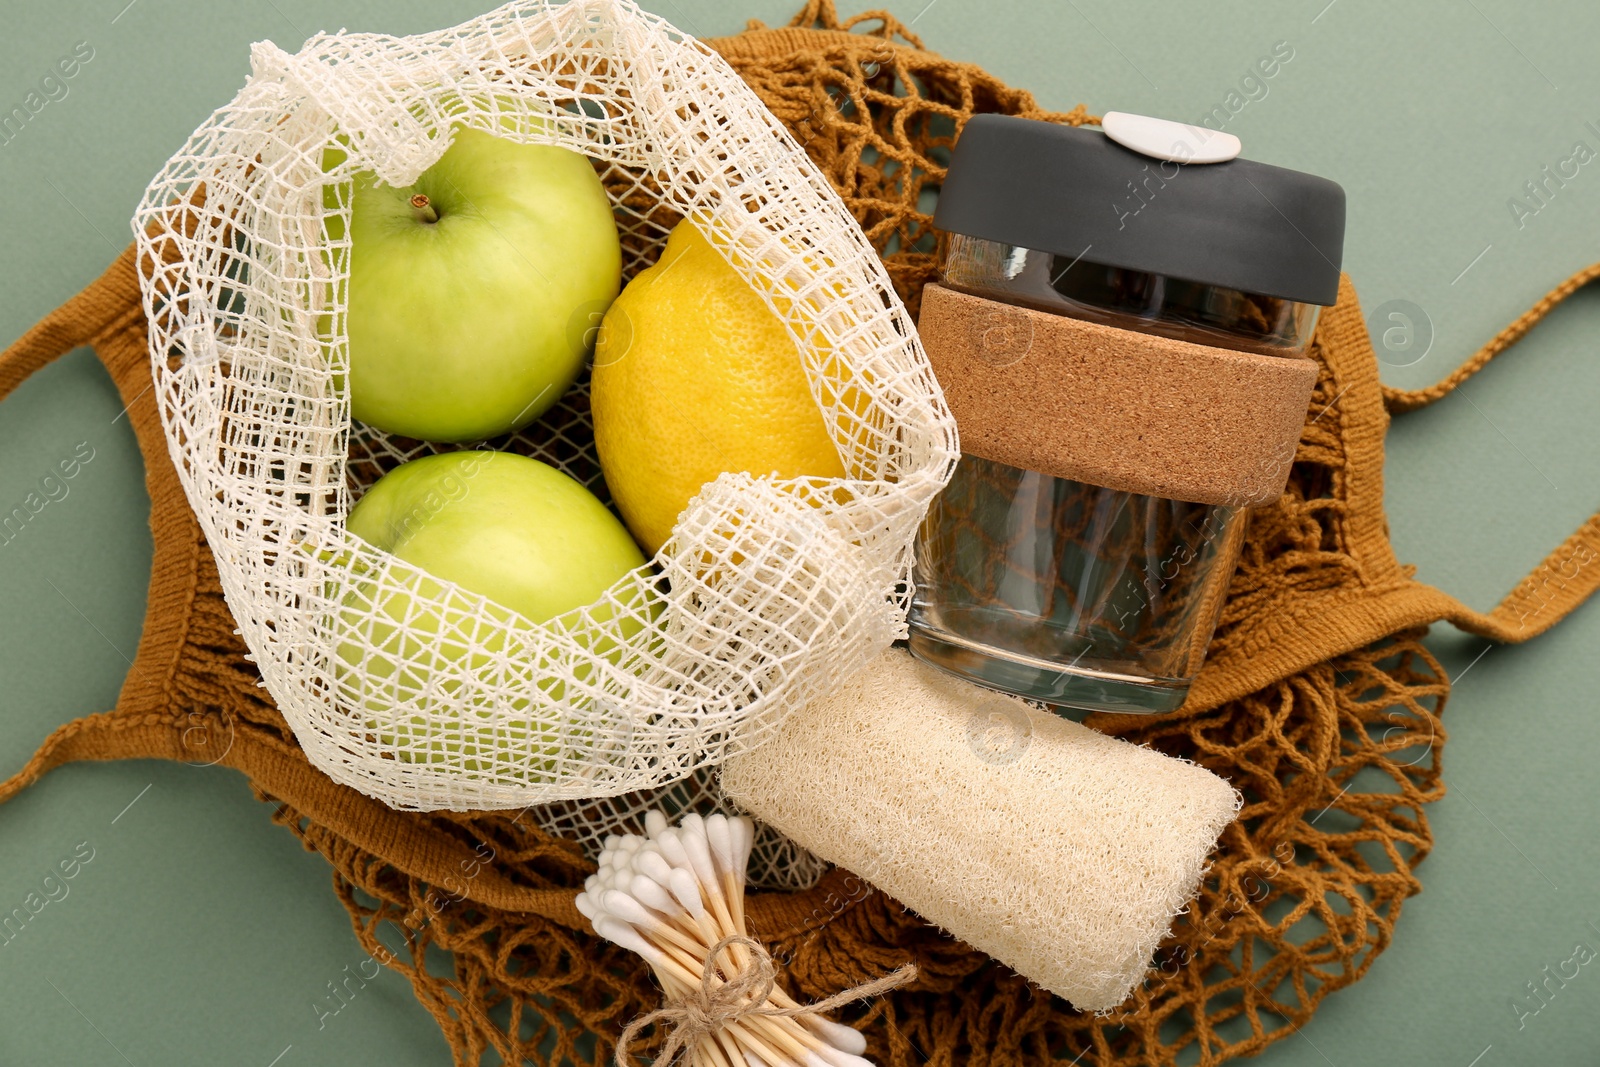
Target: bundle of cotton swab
[{"x": 676, "y": 897}]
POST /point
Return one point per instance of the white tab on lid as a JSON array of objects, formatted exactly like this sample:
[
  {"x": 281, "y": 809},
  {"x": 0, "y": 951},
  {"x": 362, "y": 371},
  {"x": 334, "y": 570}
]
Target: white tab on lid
[{"x": 1165, "y": 139}]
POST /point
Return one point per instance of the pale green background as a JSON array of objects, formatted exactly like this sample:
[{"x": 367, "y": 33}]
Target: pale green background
[{"x": 202, "y": 934}]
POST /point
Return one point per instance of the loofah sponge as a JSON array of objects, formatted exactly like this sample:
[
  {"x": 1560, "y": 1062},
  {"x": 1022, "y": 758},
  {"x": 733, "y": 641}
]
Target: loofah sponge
[{"x": 1059, "y": 851}]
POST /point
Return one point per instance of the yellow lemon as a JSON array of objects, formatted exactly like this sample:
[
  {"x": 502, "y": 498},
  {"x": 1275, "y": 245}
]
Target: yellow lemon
[{"x": 694, "y": 376}]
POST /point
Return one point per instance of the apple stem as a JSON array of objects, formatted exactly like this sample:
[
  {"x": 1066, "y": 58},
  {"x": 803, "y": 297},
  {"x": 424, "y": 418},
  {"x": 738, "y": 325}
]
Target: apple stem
[{"x": 423, "y": 208}]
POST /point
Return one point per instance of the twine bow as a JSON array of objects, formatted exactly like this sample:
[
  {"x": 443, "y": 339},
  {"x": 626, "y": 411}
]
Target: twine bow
[{"x": 744, "y": 994}]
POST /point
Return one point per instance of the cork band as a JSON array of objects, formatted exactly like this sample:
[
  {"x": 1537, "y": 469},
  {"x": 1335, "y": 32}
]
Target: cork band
[{"x": 1114, "y": 408}]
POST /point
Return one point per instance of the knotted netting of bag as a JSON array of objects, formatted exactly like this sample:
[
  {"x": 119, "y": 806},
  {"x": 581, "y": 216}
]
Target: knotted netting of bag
[
  {"x": 1335, "y": 751},
  {"x": 426, "y": 696}
]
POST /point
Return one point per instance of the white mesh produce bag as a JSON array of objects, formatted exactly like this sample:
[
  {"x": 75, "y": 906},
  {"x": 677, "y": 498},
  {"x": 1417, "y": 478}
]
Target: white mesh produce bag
[{"x": 768, "y": 594}]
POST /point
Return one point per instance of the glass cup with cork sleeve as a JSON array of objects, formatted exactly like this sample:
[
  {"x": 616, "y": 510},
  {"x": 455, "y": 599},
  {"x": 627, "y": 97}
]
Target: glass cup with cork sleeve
[{"x": 1120, "y": 329}]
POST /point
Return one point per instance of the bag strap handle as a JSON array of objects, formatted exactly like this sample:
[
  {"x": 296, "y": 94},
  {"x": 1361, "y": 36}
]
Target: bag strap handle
[
  {"x": 1567, "y": 576},
  {"x": 103, "y": 306}
]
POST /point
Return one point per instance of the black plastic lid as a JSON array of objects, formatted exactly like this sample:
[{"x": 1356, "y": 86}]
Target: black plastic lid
[{"x": 1075, "y": 192}]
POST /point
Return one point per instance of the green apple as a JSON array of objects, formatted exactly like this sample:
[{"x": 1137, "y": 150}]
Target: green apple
[
  {"x": 504, "y": 526},
  {"x": 533, "y": 541},
  {"x": 465, "y": 286}
]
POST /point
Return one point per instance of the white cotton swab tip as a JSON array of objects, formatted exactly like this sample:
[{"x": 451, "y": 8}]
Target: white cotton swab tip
[
  {"x": 844, "y": 1038},
  {"x": 620, "y": 933},
  {"x": 654, "y": 823},
  {"x": 653, "y": 865},
  {"x": 700, "y": 861},
  {"x": 835, "y": 1057},
  {"x": 686, "y": 891},
  {"x": 743, "y": 833},
  {"x": 719, "y": 839},
  {"x": 626, "y": 908},
  {"x": 670, "y": 843},
  {"x": 652, "y": 894}
]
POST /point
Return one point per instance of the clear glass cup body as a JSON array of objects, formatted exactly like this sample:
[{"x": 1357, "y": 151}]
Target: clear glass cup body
[{"x": 1073, "y": 594}]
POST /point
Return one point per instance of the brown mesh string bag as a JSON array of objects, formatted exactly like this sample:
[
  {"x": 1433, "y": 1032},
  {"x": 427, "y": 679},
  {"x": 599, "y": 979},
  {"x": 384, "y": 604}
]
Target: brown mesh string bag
[{"x": 1318, "y": 701}]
